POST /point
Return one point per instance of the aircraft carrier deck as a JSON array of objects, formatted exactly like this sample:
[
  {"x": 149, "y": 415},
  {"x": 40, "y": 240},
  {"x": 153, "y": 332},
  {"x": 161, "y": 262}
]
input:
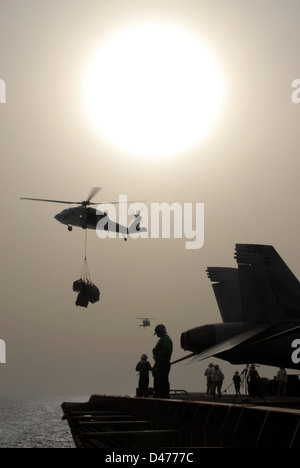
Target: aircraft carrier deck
[{"x": 185, "y": 420}]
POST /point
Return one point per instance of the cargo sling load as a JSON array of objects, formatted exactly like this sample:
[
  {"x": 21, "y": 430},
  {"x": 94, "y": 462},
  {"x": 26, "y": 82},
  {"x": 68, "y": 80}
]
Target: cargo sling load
[{"x": 87, "y": 291}]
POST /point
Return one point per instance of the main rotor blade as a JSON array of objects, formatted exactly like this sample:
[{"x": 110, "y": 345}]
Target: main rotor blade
[
  {"x": 92, "y": 194},
  {"x": 115, "y": 202},
  {"x": 145, "y": 318},
  {"x": 94, "y": 191},
  {"x": 52, "y": 201}
]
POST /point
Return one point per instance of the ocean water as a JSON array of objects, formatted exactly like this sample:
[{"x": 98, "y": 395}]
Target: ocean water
[{"x": 35, "y": 423}]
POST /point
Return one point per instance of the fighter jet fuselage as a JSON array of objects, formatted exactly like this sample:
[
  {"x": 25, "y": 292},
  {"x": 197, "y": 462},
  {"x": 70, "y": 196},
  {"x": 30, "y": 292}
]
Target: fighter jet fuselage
[
  {"x": 260, "y": 306},
  {"x": 274, "y": 344}
]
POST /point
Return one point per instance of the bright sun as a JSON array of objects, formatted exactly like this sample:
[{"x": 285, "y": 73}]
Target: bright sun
[{"x": 152, "y": 90}]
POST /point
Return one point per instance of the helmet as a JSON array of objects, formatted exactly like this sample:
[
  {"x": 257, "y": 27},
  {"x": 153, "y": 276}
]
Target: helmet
[
  {"x": 144, "y": 357},
  {"x": 160, "y": 330}
]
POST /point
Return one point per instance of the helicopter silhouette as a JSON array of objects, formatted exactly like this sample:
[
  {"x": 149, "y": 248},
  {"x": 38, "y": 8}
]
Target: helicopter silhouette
[
  {"x": 91, "y": 218},
  {"x": 145, "y": 321}
]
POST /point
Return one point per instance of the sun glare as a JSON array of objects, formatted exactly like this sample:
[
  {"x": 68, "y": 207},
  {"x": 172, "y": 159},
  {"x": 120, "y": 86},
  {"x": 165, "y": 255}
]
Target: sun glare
[{"x": 152, "y": 90}]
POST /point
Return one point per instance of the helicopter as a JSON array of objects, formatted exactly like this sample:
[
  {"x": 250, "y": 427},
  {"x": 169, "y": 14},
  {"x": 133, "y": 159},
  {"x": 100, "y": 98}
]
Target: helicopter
[
  {"x": 145, "y": 321},
  {"x": 91, "y": 218}
]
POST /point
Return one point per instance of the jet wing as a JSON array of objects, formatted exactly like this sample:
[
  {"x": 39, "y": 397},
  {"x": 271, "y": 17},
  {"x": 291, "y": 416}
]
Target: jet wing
[
  {"x": 276, "y": 335},
  {"x": 230, "y": 343},
  {"x": 183, "y": 358}
]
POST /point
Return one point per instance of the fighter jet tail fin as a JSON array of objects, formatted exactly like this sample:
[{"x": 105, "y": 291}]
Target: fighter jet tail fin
[
  {"x": 226, "y": 288},
  {"x": 269, "y": 290}
]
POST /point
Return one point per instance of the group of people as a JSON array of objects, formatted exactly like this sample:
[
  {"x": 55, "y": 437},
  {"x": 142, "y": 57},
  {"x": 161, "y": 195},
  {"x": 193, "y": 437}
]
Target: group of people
[
  {"x": 215, "y": 377},
  {"x": 162, "y": 363},
  {"x": 162, "y": 353},
  {"x": 254, "y": 382},
  {"x": 214, "y": 380}
]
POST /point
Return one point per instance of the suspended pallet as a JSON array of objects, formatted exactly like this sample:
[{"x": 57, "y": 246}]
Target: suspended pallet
[{"x": 87, "y": 290}]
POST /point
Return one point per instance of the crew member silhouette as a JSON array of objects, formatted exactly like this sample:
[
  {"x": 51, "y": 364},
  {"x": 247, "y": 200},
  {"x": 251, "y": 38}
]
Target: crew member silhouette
[
  {"x": 143, "y": 367},
  {"x": 162, "y": 355}
]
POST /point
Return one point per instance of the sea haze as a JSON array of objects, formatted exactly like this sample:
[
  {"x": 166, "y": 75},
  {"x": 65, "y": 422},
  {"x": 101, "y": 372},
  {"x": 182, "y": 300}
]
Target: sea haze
[{"x": 35, "y": 423}]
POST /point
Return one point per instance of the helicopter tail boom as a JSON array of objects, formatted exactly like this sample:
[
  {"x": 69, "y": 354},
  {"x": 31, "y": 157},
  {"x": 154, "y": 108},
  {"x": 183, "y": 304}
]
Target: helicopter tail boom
[{"x": 135, "y": 226}]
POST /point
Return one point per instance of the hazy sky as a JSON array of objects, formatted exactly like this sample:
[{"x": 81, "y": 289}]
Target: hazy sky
[{"x": 246, "y": 172}]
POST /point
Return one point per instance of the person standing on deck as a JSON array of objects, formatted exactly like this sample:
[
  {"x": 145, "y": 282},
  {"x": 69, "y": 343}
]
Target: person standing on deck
[
  {"x": 162, "y": 356},
  {"x": 217, "y": 381},
  {"x": 208, "y": 374},
  {"x": 143, "y": 367},
  {"x": 282, "y": 381}
]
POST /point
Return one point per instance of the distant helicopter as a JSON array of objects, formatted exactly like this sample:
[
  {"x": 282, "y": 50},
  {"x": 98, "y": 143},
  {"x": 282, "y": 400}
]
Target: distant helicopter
[
  {"x": 145, "y": 321},
  {"x": 90, "y": 218}
]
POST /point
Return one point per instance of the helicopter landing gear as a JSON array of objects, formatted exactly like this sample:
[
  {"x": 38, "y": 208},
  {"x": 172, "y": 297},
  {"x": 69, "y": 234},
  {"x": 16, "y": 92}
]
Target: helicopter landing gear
[{"x": 70, "y": 228}]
